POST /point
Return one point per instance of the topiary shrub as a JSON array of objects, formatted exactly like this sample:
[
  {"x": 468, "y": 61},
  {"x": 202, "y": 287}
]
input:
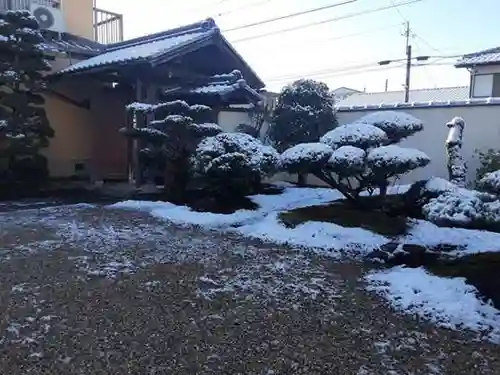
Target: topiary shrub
[{"x": 489, "y": 161}]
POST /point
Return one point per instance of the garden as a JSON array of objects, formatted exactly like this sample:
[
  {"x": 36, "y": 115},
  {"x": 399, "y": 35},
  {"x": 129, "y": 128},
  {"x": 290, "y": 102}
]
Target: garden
[
  {"x": 217, "y": 257},
  {"x": 432, "y": 245}
]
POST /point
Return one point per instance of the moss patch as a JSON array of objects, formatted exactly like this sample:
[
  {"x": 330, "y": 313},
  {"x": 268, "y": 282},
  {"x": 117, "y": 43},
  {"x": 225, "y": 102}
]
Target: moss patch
[
  {"x": 480, "y": 270},
  {"x": 345, "y": 214}
]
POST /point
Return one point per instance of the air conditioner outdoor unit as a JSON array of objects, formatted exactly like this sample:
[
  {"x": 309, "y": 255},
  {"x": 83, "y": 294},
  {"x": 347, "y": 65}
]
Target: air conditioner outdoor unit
[{"x": 48, "y": 18}]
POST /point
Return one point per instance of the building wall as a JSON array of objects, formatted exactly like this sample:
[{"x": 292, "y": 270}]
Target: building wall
[
  {"x": 73, "y": 137},
  {"x": 73, "y": 134},
  {"x": 229, "y": 120},
  {"x": 79, "y": 17},
  {"x": 109, "y": 146},
  {"x": 482, "y": 131}
]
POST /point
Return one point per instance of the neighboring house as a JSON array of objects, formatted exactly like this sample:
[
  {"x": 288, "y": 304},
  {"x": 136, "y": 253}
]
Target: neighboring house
[
  {"x": 96, "y": 74},
  {"x": 437, "y": 95},
  {"x": 343, "y": 92},
  {"x": 484, "y": 67},
  {"x": 479, "y": 105}
]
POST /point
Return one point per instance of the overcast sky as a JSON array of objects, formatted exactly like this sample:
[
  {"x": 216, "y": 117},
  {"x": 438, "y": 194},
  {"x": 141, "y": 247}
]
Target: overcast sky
[{"x": 440, "y": 27}]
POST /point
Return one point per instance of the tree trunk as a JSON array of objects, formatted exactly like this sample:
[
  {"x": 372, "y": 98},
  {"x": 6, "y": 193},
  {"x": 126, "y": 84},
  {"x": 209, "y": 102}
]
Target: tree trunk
[
  {"x": 176, "y": 180},
  {"x": 302, "y": 180}
]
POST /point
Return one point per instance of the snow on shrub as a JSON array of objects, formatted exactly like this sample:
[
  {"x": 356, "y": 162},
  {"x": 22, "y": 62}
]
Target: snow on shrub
[
  {"x": 447, "y": 204},
  {"x": 234, "y": 161},
  {"x": 452, "y": 209},
  {"x": 306, "y": 156},
  {"x": 396, "y": 125},
  {"x": 360, "y": 135},
  {"x": 491, "y": 182},
  {"x": 347, "y": 160},
  {"x": 361, "y": 156},
  {"x": 396, "y": 160}
]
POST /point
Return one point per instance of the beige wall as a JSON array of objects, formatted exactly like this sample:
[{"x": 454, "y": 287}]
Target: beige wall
[
  {"x": 73, "y": 137},
  {"x": 79, "y": 17},
  {"x": 72, "y": 125}
]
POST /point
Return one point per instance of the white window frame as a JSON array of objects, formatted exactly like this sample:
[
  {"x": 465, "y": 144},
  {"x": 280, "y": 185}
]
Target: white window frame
[{"x": 482, "y": 85}]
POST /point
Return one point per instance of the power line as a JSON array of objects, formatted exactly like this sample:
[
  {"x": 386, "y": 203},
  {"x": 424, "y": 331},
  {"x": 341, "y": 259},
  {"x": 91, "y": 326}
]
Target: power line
[
  {"x": 291, "y": 15},
  {"x": 353, "y": 69},
  {"x": 345, "y": 36},
  {"x": 351, "y": 15},
  {"x": 337, "y": 74},
  {"x": 333, "y": 72},
  {"x": 239, "y": 9}
]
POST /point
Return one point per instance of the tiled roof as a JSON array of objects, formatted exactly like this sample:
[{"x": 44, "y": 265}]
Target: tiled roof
[
  {"x": 489, "y": 56},
  {"x": 70, "y": 44},
  {"x": 222, "y": 84},
  {"x": 149, "y": 47},
  {"x": 393, "y": 97}
]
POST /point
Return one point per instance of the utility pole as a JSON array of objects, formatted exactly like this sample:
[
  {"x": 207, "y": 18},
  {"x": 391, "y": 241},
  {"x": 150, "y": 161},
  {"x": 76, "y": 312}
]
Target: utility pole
[{"x": 407, "y": 35}]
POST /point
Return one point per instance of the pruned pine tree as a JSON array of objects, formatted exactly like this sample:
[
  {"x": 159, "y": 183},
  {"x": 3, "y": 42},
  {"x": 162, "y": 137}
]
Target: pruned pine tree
[
  {"x": 304, "y": 112},
  {"x": 170, "y": 139},
  {"x": 24, "y": 126},
  {"x": 362, "y": 156}
]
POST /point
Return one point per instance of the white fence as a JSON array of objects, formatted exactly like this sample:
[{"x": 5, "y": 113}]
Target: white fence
[{"x": 482, "y": 132}]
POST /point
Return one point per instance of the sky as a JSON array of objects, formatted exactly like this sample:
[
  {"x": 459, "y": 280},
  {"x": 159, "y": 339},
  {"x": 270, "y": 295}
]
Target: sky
[{"x": 343, "y": 52}]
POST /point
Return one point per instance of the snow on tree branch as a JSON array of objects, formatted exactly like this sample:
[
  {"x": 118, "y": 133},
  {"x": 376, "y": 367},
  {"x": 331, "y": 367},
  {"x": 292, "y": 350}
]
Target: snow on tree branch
[
  {"x": 396, "y": 160},
  {"x": 396, "y": 124},
  {"x": 347, "y": 161},
  {"x": 305, "y": 157},
  {"x": 359, "y": 156},
  {"x": 359, "y": 135}
]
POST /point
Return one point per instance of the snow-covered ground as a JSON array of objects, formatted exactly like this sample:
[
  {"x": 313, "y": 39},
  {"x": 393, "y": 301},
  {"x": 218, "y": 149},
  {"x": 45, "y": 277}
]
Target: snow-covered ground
[
  {"x": 333, "y": 239},
  {"x": 447, "y": 302}
]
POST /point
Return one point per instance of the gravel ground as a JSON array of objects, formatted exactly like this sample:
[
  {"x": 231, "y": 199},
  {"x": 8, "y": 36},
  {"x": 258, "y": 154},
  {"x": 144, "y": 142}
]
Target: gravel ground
[{"x": 87, "y": 290}]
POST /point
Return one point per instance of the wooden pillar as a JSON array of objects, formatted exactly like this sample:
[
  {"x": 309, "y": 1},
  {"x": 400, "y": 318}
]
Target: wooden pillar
[
  {"x": 139, "y": 122},
  {"x": 145, "y": 93}
]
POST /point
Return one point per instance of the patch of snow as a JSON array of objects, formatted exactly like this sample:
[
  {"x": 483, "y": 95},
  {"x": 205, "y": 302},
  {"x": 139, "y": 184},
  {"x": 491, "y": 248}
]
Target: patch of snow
[
  {"x": 291, "y": 198},
  {"x": 282, "y": 278},
  {"x": 357, "y": 134},
  {"x": 468, "y": 241},
  {"x": 323, "y": 237},
  {"x": 447, "y": 302}
]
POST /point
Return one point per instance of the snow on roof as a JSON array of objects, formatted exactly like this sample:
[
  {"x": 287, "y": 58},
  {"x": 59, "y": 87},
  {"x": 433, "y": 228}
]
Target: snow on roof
[
  {"x": 393, "y": 97},
  {"x": 489, "y": 56},
  {"x": 140, "y": 51}
]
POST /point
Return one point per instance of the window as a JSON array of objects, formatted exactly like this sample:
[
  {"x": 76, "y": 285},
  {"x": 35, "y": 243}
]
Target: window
[
  {"x": 482, "y": 85},
  {"x": 496, "y": 85}
]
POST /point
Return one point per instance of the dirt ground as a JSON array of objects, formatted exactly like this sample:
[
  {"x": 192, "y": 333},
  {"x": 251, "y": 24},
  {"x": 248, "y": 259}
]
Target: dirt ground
[{"x": 90, "y": 290}]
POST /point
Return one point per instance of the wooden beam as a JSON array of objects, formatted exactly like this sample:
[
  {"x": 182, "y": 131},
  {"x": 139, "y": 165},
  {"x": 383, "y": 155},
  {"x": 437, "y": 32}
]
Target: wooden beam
[{"x": 85, "y": 104}]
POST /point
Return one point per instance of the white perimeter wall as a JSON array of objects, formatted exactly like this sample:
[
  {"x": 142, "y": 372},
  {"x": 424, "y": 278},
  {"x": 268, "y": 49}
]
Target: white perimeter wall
[{"x": 482, "y": 131}]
